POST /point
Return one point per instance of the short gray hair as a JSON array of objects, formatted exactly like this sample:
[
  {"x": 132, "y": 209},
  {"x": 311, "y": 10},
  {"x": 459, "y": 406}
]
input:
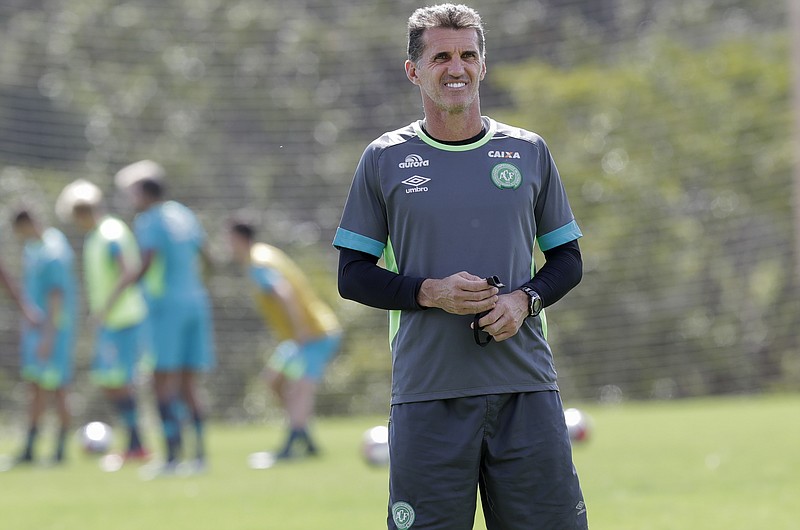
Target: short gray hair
[{"x": 451, "y": 16}]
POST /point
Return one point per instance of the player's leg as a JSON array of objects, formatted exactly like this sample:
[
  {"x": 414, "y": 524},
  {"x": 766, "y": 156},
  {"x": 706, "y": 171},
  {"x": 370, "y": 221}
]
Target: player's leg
[
  {"x": 314, "y": 357},
  {"x": 166, "y": 385},
  {"x": 197, "y": 357},
  {"x": 55, "y": 378},
  {"x": 31, "y": 370},
  {"x": 129, "y": 342},
  {"x": 113, "y": 369},
  {"x": 434, "y": 449},
  {"x": 64, "y": 417},
  {"x": 165, "y": 324},
  {"x": 299, "y": 408},
  {"x": 36, "y": 407},
  {"x": 124, "y": 402},
  {"x": 191, "y": 397},
  {"x": 527, "y": 477},
  {"x": 284, "y": 368},
  {"x": 276, "y": 382}
]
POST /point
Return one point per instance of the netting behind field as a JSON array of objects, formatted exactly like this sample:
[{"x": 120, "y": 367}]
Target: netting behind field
[{"x": 669, "y": 122}]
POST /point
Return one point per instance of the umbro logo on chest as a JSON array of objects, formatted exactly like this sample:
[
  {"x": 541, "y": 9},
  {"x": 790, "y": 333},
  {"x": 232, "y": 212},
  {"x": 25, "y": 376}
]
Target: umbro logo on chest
[{"x": 416, "y": 184}]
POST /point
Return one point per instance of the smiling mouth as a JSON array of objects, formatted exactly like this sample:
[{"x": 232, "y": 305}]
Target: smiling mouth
[{"x": 460, "y": 84}]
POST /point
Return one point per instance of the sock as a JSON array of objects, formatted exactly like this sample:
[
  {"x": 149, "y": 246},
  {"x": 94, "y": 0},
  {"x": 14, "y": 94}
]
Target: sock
[
  {"x": 287, "y": 446},
  {"x": 199, "y": 429},
  {"x": 62, "y": 439},
  {"x": 311, "y": 447},
  {"x": 30, "y": 440},
  {"x": 180, "y": 409},
  {"x": 301, "y": 435},
  {"x": 171, "y": 428},
  {"x": 298, "y": 434},
  {"x": 126, "y": 407}
]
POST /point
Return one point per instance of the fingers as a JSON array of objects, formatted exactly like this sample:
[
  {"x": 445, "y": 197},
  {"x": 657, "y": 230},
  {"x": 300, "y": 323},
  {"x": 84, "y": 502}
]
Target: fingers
[
  {"x": 470, "y": 282},
  {"x": 472, "y": 294},
  {"x": 468, "y": 276},
  {"x": 501, "y": 328},
  {"x": 461, "y": 294},
  {"x": 470, "y": 302},
  {"x": 504, "y": 321}
]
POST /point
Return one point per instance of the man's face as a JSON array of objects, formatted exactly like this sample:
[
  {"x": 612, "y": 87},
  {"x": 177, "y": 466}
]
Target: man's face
[
  {"x": 83, "y": 219},
  {"x": 138, "y": 198},
  {"x": 450, "y": 69},
  {"x": 240, "y": 247},
  {"x": 24, "y": 230}
]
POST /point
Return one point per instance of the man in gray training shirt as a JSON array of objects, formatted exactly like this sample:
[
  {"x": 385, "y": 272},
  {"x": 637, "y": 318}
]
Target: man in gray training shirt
[{"x": 450, "y": 201}]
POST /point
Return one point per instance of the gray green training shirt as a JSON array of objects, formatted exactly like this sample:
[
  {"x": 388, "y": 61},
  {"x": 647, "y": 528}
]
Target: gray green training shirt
[{"x": 433, "y": 210}]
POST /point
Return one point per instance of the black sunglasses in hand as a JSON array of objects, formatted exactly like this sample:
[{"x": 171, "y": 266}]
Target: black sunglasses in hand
[{"x": 482, "y": 338}]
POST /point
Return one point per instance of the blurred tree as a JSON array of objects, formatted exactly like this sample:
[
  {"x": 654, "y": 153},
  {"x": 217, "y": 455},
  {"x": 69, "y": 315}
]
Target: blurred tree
[{"x": 679, "y": 166}]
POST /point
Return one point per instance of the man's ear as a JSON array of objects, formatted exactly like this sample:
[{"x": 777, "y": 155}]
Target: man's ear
[{"x": 411, "y": 72}]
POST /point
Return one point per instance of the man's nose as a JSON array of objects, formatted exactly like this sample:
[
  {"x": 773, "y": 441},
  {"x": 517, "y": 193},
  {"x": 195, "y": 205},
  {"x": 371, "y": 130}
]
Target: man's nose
[{"x": 456, "y": 67}]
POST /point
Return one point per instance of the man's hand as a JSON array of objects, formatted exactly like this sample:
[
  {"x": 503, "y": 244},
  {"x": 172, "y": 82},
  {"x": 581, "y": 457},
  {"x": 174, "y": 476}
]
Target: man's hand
[
  {"x": 461, "y": 294},
  {"x": 32, "y": 315},
  {"x": 504, "y": 321},
  {"x": 45, "y": 347}
]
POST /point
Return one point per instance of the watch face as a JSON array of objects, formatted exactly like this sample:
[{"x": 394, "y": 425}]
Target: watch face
[{"x": 536, "y": 305}]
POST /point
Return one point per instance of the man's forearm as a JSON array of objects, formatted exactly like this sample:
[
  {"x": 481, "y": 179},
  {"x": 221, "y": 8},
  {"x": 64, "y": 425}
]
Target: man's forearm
[
  {"x": 562, "y": 270},
  {"x": 362, "y": 280}
]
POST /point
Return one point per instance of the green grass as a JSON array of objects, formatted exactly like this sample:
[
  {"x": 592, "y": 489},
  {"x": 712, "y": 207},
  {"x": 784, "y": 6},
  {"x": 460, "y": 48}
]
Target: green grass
[{"x": 705, "y": 464}]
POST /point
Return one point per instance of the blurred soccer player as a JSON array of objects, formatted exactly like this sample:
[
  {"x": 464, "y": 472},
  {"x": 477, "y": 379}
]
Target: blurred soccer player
[
  {"x": 49, "y": 286},
  {"x": 173, "y": 244},
  {"x": 309, "y": 333},
  {"x": 110, "y": 261}
]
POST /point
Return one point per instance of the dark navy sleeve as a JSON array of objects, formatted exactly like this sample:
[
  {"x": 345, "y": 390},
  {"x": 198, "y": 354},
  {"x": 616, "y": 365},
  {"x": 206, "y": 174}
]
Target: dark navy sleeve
[
  {"x": 562, "y": 270},
  {"x": 361, "y": 279}
]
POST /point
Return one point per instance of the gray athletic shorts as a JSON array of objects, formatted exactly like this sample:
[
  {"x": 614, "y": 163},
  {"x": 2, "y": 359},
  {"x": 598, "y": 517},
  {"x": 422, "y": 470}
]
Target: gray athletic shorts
[{"x": 514, "y": 446}]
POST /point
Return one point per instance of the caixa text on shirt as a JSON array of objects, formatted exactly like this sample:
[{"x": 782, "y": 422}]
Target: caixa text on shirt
[{"x": 503, "y": 154}]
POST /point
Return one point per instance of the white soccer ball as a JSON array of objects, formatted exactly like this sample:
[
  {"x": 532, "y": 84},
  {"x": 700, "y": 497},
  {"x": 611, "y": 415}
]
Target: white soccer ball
[
  {"x": 96, "y": 438},
  {"x": 579, "y": 425},
  {"x": 375, "y": 446}
]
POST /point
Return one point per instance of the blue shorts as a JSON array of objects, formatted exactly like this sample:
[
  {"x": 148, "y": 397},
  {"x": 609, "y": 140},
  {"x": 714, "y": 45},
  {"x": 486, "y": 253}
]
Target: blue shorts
[
  {"x": 117, "y": 353},
  {"x": 181, "y": 336},
  {"x": 306, "y": 361},
  {"x": 56, "y": 372},
  {"x": 514, "y": 447}
]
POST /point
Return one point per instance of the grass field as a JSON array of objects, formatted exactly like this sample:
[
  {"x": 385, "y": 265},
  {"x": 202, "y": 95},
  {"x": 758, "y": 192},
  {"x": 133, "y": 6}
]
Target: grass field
[{"x": 730, "y": 464}]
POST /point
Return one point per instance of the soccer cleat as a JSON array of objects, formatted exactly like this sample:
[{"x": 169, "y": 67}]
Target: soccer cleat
[
  {"x": 159, "y": 470},
  {"x": 8, "y": 463},
  {"x": 137, "y": 455},
  {"x": 196, "y": 466},
  {"x": 23, "y": 459}
]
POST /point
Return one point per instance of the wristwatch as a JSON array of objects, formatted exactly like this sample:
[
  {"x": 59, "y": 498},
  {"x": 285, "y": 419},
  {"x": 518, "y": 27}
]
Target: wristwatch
[{"x": 534, "y": 301}]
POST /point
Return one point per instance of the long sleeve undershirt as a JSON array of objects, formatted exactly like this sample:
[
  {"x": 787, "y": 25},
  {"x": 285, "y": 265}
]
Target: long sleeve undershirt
[{"x": 362, "y": 280}]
